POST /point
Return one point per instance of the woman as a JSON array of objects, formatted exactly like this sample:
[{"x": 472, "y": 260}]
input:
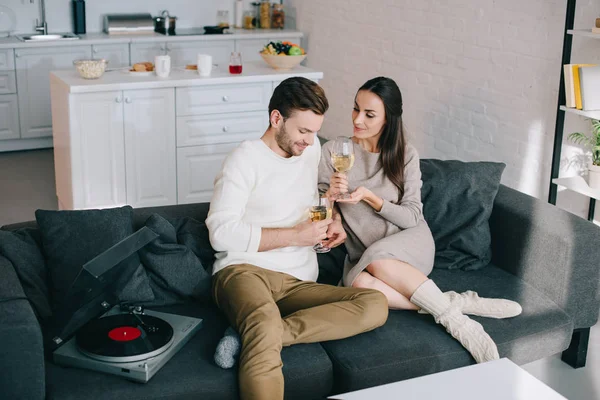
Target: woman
[{"x": 390, "y": 246}]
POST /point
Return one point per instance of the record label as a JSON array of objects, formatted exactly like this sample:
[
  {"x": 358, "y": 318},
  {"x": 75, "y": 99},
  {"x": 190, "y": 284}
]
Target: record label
[{"x": 124, "y": 333}]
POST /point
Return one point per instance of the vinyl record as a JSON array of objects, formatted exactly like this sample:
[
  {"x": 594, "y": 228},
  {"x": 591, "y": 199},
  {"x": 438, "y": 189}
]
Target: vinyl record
[{"x": 124, "y": 337}]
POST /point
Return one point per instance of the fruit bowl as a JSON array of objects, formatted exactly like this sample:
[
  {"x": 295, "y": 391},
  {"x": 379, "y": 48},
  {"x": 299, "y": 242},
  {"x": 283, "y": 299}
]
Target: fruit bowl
[{"x": 282, "y": 62}]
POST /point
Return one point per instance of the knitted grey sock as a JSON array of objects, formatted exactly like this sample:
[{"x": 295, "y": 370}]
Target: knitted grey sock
[{"x": 228, "y": 349}]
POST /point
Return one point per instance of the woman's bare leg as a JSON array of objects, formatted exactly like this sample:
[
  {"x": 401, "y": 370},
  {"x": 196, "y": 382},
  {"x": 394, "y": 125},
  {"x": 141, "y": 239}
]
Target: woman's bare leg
[
  {"x": 401, "y": 276},
  {"x": 395, "y": 300}
]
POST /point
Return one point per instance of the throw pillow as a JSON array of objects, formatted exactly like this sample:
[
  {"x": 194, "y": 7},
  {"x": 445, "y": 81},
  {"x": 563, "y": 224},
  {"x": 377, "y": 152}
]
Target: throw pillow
[
  {"x": 458, "y": 198},
  {"x": 72, "y": 238},
  {"x": 173, "y": 262},
  {"x": 22, "y": 248}
]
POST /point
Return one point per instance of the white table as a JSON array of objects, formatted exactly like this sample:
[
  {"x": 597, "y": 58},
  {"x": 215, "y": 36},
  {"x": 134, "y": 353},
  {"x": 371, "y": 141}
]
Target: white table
[{"x": 495, "y": 380}]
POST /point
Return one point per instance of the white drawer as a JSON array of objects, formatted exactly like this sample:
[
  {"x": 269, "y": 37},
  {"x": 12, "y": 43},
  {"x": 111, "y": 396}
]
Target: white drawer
[
  {"x": 8, "y": 82},
  {"x": 197, "y": 168},
  {"x": 220, "y": 128},
  {"x": 7, "y": 60},
  {"x": 223, "y": 98}
]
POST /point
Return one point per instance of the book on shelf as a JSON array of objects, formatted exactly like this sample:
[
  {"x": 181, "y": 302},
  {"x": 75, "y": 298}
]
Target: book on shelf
[
  {"x": 589, "y": 79},
  {"x": 573, "y": 84},
  {"x": 569, "y": 87}
]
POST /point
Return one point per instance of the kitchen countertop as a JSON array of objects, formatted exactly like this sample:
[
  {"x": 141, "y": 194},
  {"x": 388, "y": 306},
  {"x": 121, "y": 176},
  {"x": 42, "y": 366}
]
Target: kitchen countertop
[
  {"x": 103, "y": 38},
  {"x": 120, "y": 79}
]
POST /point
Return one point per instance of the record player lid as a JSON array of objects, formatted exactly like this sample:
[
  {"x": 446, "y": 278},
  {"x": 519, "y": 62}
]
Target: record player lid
[{"x": 94, "y": 289}]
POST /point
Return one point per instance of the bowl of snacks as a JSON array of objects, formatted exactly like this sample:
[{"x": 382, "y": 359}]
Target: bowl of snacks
[
  {"x": 90, "y": 68},
  {"x": 283, "y": 55}
]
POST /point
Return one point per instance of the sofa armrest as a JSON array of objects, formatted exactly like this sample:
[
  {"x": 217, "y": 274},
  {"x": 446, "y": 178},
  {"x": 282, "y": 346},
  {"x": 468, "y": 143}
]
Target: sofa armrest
[
  {"x": 553, "y": 250},
  {"x": 22, "y": 373}
]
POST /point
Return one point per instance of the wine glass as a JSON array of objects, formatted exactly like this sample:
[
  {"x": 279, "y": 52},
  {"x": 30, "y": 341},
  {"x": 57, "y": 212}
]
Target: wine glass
[
  {"x": 319, "y": 212},
  {"x": 342, "y": 158}
]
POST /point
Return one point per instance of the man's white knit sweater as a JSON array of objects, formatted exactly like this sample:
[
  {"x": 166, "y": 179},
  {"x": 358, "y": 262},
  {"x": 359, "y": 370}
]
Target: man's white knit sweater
[{"x": 258, "y": 188}]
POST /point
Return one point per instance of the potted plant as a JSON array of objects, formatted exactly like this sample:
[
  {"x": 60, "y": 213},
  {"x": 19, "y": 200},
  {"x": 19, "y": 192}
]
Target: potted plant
[{"x": 592, "y": 142}]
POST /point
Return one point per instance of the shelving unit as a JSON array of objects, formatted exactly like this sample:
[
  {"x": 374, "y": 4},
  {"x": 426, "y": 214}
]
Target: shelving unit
[{"x": 576, "y": 184}]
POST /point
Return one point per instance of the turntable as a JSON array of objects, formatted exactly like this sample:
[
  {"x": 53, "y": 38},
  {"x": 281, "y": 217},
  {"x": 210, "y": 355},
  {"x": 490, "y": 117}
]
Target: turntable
[{"x": 91, "y": 331}]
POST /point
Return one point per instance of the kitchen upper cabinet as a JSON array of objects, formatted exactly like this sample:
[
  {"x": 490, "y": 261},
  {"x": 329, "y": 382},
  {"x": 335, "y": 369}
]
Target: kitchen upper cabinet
[
  {"x": 9, "y": 117},
  {"x": 95, "y": 150},
  {"x": 116, "y": 54},
  {"x": 186, "y": 52},
  {"x": 141, "y": 52},
  {"x": 150, "y": 147},
  {"x": 33, "y": 83}
]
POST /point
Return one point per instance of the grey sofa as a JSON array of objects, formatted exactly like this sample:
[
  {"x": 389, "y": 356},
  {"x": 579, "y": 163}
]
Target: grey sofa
[{"x": 543, "y": 257}]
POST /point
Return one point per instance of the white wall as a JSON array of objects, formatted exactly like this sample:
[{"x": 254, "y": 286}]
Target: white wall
[
  {"x": 190, "y": 13},
  {"x": 479, "y": 77}
]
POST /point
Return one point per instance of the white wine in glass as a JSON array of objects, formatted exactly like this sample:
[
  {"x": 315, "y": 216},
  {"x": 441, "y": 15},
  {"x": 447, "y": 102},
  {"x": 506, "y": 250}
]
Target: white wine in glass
[
  {"x": 342, "y": 158},
  {"x": 320, "y": 212}
]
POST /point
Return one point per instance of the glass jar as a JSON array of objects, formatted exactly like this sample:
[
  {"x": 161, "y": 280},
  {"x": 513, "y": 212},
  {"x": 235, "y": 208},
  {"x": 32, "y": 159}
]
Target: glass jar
[
  {"x": 256, "y": 12},
  {"x": 265, "y": 14},
  {"x": 277, "y": 17},
  {"x": 223, "y": 18},
  {"x": 248, "y": 20}
]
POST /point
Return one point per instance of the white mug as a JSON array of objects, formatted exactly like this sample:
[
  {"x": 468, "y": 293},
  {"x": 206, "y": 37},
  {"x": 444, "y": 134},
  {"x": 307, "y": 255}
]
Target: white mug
[
  {"x": 162, "y": 66},
  {"x": 205, "y": 64}
]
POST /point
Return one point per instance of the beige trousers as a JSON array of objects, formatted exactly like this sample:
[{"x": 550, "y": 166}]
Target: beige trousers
[{"x": 272, "y": 309}]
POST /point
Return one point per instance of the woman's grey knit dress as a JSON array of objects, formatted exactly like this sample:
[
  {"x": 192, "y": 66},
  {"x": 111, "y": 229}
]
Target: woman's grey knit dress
[{"x": 398, "y": 231}]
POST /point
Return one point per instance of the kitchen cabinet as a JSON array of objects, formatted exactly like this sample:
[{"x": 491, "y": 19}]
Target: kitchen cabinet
[
  {"x": 8, "y": 82},
  {"x": 9, "y": 117},
  {"x": 197, "y": 168},
  {"x": 7, "y": 60},
  {"x": 116, "y": 54},
  {"x": 120, "y": 150},
  {"x": 150, "y": 147},
  {"x": 33, "y": 82},
  {"x": 94, "y": 153}
]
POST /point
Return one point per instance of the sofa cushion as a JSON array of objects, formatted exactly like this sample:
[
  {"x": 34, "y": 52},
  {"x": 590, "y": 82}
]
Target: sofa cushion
[
  {"x": 22, "y": 248},
  {"x": 72, "y": 238},
  {"x": 192, "y": 373},
  {"x": 411, "y": 344},
  {"x": 457, "y": 203},
  {"x": 175, "y": 270}
]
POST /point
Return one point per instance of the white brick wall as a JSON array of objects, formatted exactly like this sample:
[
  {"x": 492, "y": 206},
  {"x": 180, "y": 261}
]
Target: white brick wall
[{"x": 479, "y": 77}]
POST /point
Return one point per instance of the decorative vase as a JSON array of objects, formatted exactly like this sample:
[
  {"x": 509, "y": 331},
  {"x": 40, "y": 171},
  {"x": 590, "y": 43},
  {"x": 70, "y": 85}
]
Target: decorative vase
[{"x": 594, "y": 176}]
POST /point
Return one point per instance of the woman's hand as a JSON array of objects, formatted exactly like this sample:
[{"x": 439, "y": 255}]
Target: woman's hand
[
  {"x": 338, "y": 184},
  {"x": 362, "y": 193}
]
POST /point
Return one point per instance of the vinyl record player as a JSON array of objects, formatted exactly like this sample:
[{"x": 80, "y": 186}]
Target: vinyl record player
[{"x": 90, "y": 330}]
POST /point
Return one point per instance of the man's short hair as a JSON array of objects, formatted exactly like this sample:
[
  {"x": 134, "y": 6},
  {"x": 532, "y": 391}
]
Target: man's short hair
[{"x": 298, "y": 94}]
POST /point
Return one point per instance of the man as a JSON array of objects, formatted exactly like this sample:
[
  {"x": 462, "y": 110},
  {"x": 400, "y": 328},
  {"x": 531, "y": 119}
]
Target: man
[{"x": 265, "y": 272}]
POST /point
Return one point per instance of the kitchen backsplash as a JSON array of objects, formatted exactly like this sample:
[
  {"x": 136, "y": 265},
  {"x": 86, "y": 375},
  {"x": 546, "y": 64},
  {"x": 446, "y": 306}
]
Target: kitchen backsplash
[{"x": 190, "y": 13}]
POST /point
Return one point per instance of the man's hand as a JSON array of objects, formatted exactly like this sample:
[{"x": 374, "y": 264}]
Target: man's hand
[
  {"x": 308, "y": 233},
  {"x": 336, "y": 234}
]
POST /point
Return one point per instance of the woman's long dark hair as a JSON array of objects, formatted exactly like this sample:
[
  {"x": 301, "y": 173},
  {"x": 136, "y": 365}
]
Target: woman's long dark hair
[{"x": 392, "y": 143}]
